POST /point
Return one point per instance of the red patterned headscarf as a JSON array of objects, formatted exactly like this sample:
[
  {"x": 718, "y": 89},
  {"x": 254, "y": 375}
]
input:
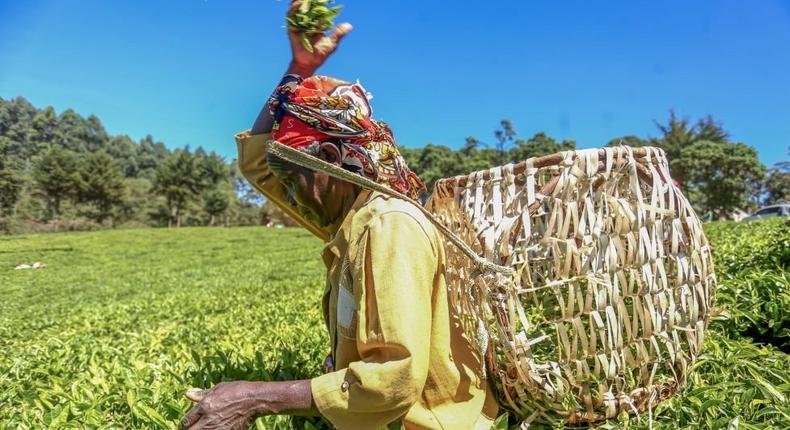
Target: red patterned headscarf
[{"x": 322, "y": 109}]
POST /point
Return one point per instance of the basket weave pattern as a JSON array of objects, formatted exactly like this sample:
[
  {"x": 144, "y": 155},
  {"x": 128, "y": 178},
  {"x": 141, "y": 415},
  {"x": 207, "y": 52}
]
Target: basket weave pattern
[{"x": 613, "y": 281}]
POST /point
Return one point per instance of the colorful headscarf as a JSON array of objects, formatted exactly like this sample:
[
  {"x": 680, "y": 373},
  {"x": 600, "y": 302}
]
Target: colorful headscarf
[{"x": 321, "y": 109}]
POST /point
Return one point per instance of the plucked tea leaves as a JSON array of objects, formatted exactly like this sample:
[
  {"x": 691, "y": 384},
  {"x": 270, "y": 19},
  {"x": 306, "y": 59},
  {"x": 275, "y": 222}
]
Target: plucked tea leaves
[{"x": 311, "y": 18}]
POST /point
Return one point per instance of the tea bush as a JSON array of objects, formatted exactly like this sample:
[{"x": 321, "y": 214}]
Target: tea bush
[
  {"x": 121, "y": 323},
  {"x": 752, "y": 264}
]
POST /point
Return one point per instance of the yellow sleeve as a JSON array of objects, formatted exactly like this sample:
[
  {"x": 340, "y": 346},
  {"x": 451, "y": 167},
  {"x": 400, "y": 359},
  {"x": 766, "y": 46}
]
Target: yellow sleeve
[
  {"x": 254, "y": 166},
  {"x": 393, "y": 330}
]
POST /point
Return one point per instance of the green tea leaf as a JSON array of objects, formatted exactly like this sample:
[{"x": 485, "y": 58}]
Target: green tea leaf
[
  {"x": 501, "y": 422},
  {"x": 305, "y": 6},
  {"x": 306, "y": 43}
]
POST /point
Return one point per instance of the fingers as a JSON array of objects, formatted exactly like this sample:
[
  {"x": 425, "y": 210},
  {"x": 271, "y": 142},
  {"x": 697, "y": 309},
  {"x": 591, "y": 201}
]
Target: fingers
[
  {"x": 190, "y": 418},
  {"x": 241, "y": 424},
  {"x": 340, "y": 32},
  {"x": 196, "y": 394},
  {"x": 294, "y": 7},
  {"x": 326, "y": 45},
  {"x": 213, "y": 424},
  {"x": 200, "y": 425}
]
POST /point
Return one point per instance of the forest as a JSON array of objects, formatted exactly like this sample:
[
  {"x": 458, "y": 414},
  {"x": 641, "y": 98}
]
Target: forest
[{"x": 64, "y": 171}]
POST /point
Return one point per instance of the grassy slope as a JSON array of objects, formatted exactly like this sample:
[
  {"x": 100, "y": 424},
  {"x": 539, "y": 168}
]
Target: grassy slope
[{"x": 121, "y": 323}]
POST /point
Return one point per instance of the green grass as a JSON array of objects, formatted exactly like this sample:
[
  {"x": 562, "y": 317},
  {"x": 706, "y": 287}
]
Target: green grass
[{"x": 121, "y": 323}]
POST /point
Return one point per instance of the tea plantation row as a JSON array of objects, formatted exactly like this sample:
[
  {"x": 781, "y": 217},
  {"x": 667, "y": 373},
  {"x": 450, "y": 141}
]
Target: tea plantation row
[{"x": 121, "y": 323}]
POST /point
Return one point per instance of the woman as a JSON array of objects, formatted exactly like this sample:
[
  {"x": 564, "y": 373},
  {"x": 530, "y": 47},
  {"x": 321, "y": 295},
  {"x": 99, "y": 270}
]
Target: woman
[{"x": 397, "y": 351}]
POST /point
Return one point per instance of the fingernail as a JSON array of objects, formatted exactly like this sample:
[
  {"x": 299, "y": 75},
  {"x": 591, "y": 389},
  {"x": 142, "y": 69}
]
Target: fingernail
[{"x": 194, "y": 391}]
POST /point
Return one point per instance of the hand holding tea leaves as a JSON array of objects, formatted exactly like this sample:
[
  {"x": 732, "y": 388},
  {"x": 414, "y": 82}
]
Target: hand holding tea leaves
[
  {"x": 308, "y": 21},
  {"x": 311, "y": 17}
]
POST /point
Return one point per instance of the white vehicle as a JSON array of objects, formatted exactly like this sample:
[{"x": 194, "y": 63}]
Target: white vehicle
[{"x": 770, "y": 211}]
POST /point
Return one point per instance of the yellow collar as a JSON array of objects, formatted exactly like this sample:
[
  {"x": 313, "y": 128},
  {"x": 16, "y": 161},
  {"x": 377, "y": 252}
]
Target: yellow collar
[{"x": 339, "y": 239}]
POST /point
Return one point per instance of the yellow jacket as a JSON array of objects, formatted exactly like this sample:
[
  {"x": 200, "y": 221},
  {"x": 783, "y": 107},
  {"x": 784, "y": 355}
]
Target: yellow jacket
[{"x": 399, "y": 351}]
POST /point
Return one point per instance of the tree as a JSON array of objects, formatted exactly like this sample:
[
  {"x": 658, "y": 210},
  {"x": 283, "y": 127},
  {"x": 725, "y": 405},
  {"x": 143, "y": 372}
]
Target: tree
[
  {"x": 710, "y": 130},
  {"x": 124, "y": 150},
  {"x": 722, "y": 177},
  {"x": 95, "y": 136},
  {"x": 138, "y": 203},
  {"x": 777, "y": 186},
  {"x": 504, "y": 136},
  {"x": 539, "y": 145},
  {"x": 11, "y": 181},
  {"x": 213, "y": 169},
  {"x": 79, "y": 134},
  {"x": 249, "y": 196},
  {"x": 215, "y": 203},
  {"x": 45, "y": 124},
  {"x": 48, "y": 158},
  {"x": 436, "y": 162},
  {"x": 470, "y": 147},
  {"x": 178, "y": 180},
  {"x": 16, "y": 120},
  {"x": 100, "y": 183},
  {"x": 629, "y": 140},
  {"x": 777, "y": 183},
  {"x": 678, "y": 134},
  {"x": 70, "y": 131},
  {"x": 149, "y": 155},
  {"x": 54, "y": 172}
]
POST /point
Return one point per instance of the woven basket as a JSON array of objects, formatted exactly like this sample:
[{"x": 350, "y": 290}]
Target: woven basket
[
  {"x": 584, "y": 277},
  {"x": 612, "y": 287}
]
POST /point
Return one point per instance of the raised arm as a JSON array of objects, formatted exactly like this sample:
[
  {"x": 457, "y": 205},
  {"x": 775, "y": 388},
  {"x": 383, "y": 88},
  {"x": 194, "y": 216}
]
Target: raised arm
[
  {"x": 303, "y": 62},
  {"x": 234, "y": 405}
]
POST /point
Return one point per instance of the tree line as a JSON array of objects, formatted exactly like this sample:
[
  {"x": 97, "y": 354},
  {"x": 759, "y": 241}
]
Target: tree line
[
  {"x": 718, "y": 175},
  {"x": 64, "y": 171}
]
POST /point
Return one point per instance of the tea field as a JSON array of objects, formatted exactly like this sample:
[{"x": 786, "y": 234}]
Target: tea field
[{"x": 121, "y": 323}]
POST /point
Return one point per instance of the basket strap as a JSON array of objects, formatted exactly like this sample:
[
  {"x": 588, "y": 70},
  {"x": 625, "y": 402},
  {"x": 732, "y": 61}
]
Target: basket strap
[{"x": 308, "y": 161}]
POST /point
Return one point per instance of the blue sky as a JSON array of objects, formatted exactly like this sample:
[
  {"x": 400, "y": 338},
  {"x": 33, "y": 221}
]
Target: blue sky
[{"x": 196, "y": 71}]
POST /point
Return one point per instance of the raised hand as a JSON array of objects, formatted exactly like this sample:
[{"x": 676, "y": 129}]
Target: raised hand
[{"x": 304, "y": 62}]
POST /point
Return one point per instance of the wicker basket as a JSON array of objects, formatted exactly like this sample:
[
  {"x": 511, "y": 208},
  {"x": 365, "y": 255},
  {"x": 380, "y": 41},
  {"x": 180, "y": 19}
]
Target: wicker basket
[
  {"x": 612, "y": 286},
  {"x": 584, "y": 277}
]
